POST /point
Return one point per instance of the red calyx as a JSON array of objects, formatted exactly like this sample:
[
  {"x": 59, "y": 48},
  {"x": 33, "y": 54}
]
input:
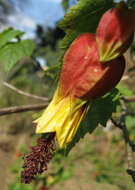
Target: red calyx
[{"x": 83, "y": 75}]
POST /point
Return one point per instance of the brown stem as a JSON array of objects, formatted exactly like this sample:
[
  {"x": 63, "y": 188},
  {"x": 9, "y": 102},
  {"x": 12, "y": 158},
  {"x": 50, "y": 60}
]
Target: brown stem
[
  {"x": 23, "y": 108},
  {"x": 130, "y": 147}
]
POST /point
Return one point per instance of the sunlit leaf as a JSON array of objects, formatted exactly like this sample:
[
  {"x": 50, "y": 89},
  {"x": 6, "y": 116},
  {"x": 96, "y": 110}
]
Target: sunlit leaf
[
  {"x": 7, "y": 35},
  {"x": 13, "y": 52}
]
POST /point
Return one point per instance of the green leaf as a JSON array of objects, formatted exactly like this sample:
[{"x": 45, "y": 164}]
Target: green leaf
[
  {"x": 99, "y": 113},
  {"x": 8, "y": 35},
  {"x": 83, "y": 17},
  {"x": 13, "y": 52}
]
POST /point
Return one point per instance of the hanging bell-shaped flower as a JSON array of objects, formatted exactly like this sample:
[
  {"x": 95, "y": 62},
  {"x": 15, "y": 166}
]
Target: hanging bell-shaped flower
[{"x": 115, "y": 32}]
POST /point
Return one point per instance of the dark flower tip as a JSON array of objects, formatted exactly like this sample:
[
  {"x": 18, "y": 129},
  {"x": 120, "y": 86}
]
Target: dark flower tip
[{"x": 36, "y": 161}]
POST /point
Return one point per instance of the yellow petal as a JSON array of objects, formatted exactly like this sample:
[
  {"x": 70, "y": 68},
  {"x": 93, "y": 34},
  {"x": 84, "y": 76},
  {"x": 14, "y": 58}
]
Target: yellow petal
[
  {"x": 59, "y": 117},
  {"x": 67, "y": 131}
]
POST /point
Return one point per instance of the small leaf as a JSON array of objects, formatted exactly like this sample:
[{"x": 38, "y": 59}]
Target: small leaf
[
  {"x": 8, "y": 35},
  {"x": 99, "y": 113},
  {"x": 13, "y": 52}
]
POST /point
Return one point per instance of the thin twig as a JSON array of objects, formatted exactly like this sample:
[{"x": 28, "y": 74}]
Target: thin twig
[
  {"x": 24, "y": 93},
  {"x": 117, "y": 124},
  {"x": 122, "y": 121},
  {"x": 130, "y": 147},
  {"x": 23, "y": 108}
]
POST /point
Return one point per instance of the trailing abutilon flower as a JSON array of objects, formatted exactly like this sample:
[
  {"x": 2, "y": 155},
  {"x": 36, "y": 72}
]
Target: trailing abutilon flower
[
  {"x": 92, "y": 66},
  {"x": 115, "y": 32},
  {"x": 83, "y": 78}
]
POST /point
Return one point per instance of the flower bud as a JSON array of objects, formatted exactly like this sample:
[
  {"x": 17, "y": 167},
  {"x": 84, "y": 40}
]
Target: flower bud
[{"x": 115, "y": 32}]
